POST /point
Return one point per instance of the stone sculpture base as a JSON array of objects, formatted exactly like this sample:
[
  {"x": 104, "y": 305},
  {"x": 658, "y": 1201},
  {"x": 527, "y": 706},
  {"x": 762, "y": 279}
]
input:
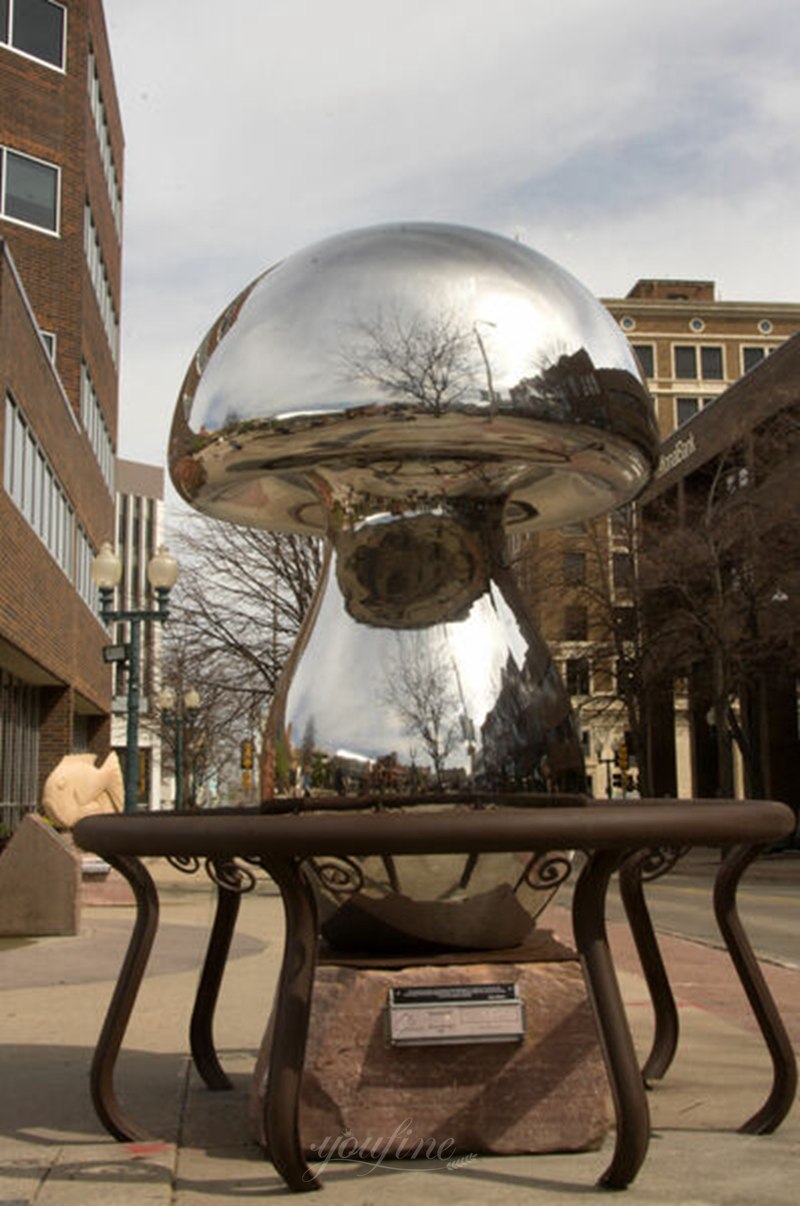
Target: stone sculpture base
[
  {"x": 40, "y": 879},
  {"x": 547, "y": 1093}
]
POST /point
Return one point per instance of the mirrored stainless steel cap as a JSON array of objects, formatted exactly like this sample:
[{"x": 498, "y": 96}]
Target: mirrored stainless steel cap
[{"x": 412, "y": 362}]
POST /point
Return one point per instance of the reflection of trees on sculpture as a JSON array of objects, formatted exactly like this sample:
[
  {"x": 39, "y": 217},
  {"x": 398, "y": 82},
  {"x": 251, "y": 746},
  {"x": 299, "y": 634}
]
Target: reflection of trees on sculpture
[
  {"x": 419, "y": 686},
  {"x": 431, "y": 362}
]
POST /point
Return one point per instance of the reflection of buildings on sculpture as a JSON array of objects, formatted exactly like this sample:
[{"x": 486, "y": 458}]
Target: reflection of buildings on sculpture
[
  {"x": 139, "y": 532},
  {"x": 692, "y": 348},
  {"x": 61, "y": 151},
  {"x": 525, "y": 741}
]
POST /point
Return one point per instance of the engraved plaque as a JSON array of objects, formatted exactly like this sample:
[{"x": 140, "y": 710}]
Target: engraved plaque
[{"x": 458, "y": 1013}]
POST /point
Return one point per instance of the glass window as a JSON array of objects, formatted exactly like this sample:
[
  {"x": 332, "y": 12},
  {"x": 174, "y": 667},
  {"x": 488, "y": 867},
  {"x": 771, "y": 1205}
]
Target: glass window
[
  {"x": 645, "y": 354},
  {"x": 37, "y": 29},
  {"x": 711, "y": 363},
  {"x": 625, "y": 623},
  {"x": 30, "y": 190},
  {"x": 622, "y": 523},
  {"x": 622, "y": 569},
  {"x": 576, "y": 624},
  {"x": 685, "y": 362},
  {"x": 686, "y": 409},
  {"x": 577, "y": 676},
  {"x": 751, "y": 357},
  {"x": 574, "y": 568}
]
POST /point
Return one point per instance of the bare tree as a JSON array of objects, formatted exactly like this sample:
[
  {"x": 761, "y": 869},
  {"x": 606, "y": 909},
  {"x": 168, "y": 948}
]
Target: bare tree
[
  {"x": 722, "y": 582},
  {"x": 419, "y": 686},
  {"x": 235, "y": 614},
  {"x": 434, "y": 362}
]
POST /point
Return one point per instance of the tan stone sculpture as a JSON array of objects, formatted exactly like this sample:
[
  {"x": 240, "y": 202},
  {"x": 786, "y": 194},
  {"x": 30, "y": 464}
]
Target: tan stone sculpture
[{"x": 78, "y": 787}]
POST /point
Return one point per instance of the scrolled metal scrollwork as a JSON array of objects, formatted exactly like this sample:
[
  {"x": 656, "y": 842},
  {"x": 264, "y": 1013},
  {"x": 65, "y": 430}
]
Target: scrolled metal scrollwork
[
  {"x": 659, "y": 860},
  {"x": 230, "y": 875},
  {"x": 339, "y": 875},
  {"x": 187, "y": 864},
  {"x": 543, "y": 872}
]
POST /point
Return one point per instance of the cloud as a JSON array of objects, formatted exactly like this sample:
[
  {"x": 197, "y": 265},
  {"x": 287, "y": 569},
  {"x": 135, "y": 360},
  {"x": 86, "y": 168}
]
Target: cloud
[{"x": 624, "y": 140}]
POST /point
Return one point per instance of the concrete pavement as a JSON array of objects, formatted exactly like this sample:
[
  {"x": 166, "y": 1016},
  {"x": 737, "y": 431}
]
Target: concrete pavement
[{"x": 53, "y": 1152}]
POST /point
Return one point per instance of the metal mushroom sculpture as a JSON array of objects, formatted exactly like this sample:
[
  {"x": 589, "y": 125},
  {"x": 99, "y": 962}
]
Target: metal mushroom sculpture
[{"x": 414, "y": 393}]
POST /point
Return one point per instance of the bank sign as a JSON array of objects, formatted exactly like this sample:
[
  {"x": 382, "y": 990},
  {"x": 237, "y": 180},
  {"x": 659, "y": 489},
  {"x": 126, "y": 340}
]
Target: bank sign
[{"x": 676, "y": 456}]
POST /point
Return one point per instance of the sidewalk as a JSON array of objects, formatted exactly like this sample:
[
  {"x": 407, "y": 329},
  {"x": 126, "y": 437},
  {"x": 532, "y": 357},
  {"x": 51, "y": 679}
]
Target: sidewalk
[{"x": 53, "y": 1152}]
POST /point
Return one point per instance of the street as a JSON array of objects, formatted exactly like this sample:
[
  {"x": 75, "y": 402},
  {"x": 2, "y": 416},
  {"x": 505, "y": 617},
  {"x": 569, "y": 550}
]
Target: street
[{"x": 768, "y": 898}]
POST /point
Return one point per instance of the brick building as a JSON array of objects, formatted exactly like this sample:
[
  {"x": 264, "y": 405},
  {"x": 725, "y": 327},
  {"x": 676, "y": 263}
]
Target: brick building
[{"x": 61, "y": 155}]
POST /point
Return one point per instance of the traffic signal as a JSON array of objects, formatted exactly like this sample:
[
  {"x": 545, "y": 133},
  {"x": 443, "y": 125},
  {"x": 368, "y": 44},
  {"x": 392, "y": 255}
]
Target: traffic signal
[
  {"x": 622, "y": 757},
  {"x": 247, "y": 754}
]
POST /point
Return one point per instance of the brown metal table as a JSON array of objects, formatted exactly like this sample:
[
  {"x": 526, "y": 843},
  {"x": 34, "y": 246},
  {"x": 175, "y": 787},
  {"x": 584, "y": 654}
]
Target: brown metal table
[{"x": 609, "y": 834}]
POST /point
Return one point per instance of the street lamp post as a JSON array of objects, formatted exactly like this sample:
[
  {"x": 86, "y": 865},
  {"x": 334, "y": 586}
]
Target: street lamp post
[
  {"x": 162, "y": 574},
  {"x": 607, "y": 763},
  {"x": 177, "y": 713}
]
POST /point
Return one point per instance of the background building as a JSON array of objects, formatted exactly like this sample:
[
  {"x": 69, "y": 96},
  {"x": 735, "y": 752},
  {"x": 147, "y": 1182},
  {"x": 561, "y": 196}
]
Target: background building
[
  {"x": 726, "y": 499},
  {"x": 61, "y": 154},
  {"x": 581, "y": 581},
  {"x": 691, "y": 345},
  {"x": 139, "y": 529}
]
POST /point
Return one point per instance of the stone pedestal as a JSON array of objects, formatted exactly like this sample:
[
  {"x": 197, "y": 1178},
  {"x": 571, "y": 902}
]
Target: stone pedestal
[
  {"x": 40, "y": 880},
  {"x": 547, "y": 1093}
]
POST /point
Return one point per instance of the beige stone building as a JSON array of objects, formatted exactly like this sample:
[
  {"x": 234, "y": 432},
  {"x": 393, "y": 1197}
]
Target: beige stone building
[{"x": 692, "y": 346}]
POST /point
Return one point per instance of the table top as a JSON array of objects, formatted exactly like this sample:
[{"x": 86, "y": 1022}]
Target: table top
[{"x": 438, "y": 828}]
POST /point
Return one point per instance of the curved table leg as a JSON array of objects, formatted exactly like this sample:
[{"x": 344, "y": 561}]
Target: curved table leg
[
  {"x": 201, "y": 1033},
  {"x": 123, "y": 1000},
  {"x": 627, "y": 1089},
  {"x": 784, "y": 1083},
  {"x": 665, "y": 1013},
  {"x": 281, "y": 1108}
]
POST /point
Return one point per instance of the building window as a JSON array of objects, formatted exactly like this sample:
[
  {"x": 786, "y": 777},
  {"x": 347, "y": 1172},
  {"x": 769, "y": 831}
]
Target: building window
[
  {"x": 28, "y": 190},
  {"x": 31, "y": 483},
  {"x": 49, "y": 341},
  {"x": 752, "y": 356},
  {"x": 576, "y": 623},
  {"x": 99, "y": 275},
  {"x": 685, "y": 409},
  {"x": 35, "y": 28},
  {"x": 685, "y": 363},
  {"x": 104, "y": 140},
  {"x": 577, "y": 675},
  {"x": 95, "y": 426},
  {"x": 710, "y": 362},
  {"x": 84, "y": 556},
  {"x": 645, "y": 354},
  {"x": 574, "y": 568},
  {"x": 622, "y": 571},
  {"x": 711, "y": 368},
  {"x": 622, "y": 523},
  {"x": 19, "y": 748},
  {"x": 625, "y": 623}
]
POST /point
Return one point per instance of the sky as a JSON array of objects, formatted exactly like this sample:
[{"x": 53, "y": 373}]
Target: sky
[{"x": 621, "y": 138}]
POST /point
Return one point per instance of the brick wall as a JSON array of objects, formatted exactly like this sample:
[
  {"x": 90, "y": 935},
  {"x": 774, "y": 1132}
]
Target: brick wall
[
  {"x": 46, "y": 113},
  {"x": 40, "y": 611}
]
